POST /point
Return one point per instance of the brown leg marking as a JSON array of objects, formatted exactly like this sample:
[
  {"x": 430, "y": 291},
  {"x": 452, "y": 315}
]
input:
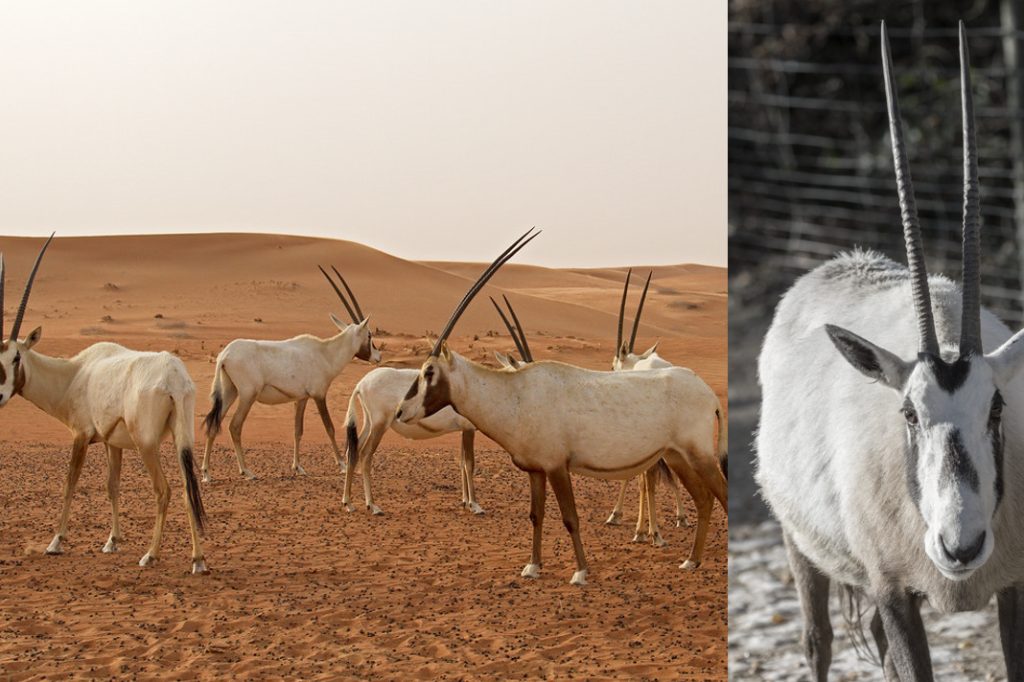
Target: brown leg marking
[
  {"x": 561, "y": 483},
  {"x": 300, "y": 413},
  {"x": 325, "y": 417}
]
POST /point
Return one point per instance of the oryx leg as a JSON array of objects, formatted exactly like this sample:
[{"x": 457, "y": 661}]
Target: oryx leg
[
  {"x": 114, "y": 493},
  {"x": 300, "y": 413},
  {"x": 366, "y": 451},
  {"x": 639, "y": 535},
  {"x": 228, "y": 396},
  {"x": 681, "y": 521},
  {"x": 812, "y": 588},
  {"x": 1011, "y": 631},
  {"x": 325, "y": 417},
  {"x": 78, "y": 450},
  {"x": 237, "y": 420},
  {"x": 702, "y": 499},
  {"x": 907, "y": 657},
  {"x": 878, "y": 632},
  {"x": 650, "y": 481},
  {"x": 468, "y": 466},
  {"x": 538, "y": 492},
  {"x": 615, "y": 518},
  {"x": 561, "y": 483},
  {"x": 151, "y": 459}
]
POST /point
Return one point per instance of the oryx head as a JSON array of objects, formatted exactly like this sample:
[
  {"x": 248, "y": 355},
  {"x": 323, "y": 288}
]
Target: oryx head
[
  {"x": 13, "y": 349},
  {"x": 360, "y": 323},
  {"x": 625, "y": 356},
  {"x": 431, "y": 391},
  {"x": 950, "y": 402}
]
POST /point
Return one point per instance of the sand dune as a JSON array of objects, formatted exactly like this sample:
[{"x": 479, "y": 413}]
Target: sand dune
[{"x": 299, "y": 588}]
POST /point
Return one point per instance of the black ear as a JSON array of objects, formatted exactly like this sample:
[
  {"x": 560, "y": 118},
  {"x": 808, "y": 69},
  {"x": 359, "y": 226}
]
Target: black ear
[{"x": 870, "y": 360}]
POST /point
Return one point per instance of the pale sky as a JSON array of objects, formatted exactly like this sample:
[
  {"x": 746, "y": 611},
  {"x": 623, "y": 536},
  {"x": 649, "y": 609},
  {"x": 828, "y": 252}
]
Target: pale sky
[{"x": 430, "y": 130}]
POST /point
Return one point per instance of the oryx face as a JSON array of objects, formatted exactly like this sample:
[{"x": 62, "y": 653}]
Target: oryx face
[
  {"x": 627, "y": 360},
  {"x": 12, "y": 365},
  {"x": 951, "y": 411},
  {"x": 430, "y": 393},
  {"x": 365, "y": 349}
]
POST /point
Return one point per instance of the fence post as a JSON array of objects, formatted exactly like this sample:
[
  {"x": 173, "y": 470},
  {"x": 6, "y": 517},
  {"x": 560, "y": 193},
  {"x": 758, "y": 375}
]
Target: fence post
[{"x": 1011, "y": 58}]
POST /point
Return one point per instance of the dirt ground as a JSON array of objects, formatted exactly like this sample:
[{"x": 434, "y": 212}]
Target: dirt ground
[{"x": 298, "y": 587}]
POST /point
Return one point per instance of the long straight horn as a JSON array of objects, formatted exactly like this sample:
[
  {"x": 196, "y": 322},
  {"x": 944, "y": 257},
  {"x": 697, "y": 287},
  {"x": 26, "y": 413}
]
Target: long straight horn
[
  {"x": 28, "y": 290},
  {"x": 348, "y": 289},
  {"x": 511, "y": 331},
  {"x": 351, "y": 313},
  {"x": 970, "y": 322},
  {"x": 928, "y": 342},
  {"x": 3, "y": 277},
  {"x": 622, "y": 312},
  {"x": 522, "y": 335},
  {"x": 639, "y": 310},
  {"x": 507, "y": 254}
]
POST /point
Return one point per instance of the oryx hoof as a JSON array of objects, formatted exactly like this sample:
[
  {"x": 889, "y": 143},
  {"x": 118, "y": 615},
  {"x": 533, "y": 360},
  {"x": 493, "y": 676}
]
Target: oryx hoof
[
  {"x": 147, "y": 560},
  {"x": 658, "y": 541},
  {"x": 689, "y": 565},
  {"x": 681, "y": 522},
  {"x": 55, "y": 546},
  {"x": 248, "y": 474},
  {"x": 348, "y": 507},
  {"x": 579, "y": 578},
  {"x": 111, "y": 545},
  {"x": 531, "y": 571},
  {"x": 375, "y": 510},
  {"x": 476, "y": 508},
  {"x": 206, "y": 477},
  {"x": 639, "y": 537},
  {"x": 298, "y": 470},
  {"x": 615, "y": 519},
  {"x": 199, "y": 567}
]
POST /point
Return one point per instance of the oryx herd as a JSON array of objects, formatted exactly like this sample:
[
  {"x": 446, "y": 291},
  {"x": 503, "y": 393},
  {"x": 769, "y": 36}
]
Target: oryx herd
[{"x": 645, "y": 418}]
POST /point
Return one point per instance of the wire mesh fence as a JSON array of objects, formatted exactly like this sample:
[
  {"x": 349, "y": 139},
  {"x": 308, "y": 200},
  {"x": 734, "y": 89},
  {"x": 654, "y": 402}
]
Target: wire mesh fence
[{"x": 810, "y": 167}]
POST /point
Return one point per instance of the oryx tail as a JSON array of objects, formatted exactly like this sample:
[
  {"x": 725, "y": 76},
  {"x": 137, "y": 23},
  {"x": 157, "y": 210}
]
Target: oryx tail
[
  {"x": 216, "y": 414},
  {"x": 723, "y": 440},
  {"x": 183, "y": 431},
  {"x": 351, "y": 433}
]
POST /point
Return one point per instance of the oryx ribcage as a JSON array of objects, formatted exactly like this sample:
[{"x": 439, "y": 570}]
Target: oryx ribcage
[
  {"x": 379, "y": 394},
  {"x": 290, "y": 371},
  {"x": 112, "y": 395},
  {"x": 888, "y": 461},
  {"x": 627, "y": 360},
  {"x": 554, "y": 419}
]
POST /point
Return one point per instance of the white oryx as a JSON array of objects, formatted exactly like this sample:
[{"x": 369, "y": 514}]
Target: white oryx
[
  {"x": 379, "y": 393},
  {"x": 112, "y": 395},
  {"x": 883, "y": 448},
  {"x": 626, "y": 360},
  {"x": 289, "y": 371},
  {"x": 554, "y": 419}
]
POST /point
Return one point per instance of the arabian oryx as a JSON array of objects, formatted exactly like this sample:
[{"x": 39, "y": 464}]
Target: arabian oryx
[
  {"x": 627, "y": 360},
  {"x": 554, "y": 419},
  {"x": 379, "y": 393},
  {"x": 882, "y": 447},
  {"x": 290, "y": 371},
  {"x": 115, "y": 396}
]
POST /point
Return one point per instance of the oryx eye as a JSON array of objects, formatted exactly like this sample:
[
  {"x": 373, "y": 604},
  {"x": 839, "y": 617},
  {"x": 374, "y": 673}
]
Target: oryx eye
[
  {"x": 996, "y": 413},
  {"x": 909, "y": 414}
]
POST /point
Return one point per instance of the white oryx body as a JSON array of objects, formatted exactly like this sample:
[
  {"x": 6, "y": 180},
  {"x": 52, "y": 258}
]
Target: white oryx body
[
  {"x": 882, "y": 446},
  {"x": 122, "y": 398},
  {"x": 274, "y": 372},
  {"x": 289, "y": 371},
  {"x": 379, "y": 394},
  {"x": 555, "y": 418}
]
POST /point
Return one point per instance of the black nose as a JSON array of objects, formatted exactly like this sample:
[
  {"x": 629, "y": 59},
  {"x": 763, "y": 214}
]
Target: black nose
[{"x": 964, "y": 554}]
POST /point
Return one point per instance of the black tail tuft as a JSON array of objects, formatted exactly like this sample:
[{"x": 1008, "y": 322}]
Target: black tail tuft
[
  {"x": 195, "y": 502},
  {"x": 352, "y": 437},
  {"x": 213, "y": 419}
]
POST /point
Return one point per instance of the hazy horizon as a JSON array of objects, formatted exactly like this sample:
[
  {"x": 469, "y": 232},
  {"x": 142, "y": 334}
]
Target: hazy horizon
[{"x": 429, "y": 131}]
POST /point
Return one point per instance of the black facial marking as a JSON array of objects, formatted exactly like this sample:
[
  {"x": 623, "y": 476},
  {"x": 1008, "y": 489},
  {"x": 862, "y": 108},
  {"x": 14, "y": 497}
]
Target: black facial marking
[
  {"x": 436, "y": 397},
  {"x": 3, "y": 375},
  {"x": 949, "y": 375},
  {"x": 956, "y": 464},
  {"x": 365, "y": 350},
  {"x": 995, "y": 434}
]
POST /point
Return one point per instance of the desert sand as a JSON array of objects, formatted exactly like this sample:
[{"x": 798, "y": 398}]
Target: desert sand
[{"x": 298, "y": 587}]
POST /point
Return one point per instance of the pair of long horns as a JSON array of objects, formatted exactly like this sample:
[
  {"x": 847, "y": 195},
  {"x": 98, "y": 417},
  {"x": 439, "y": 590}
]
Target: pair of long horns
[
  {"x": 24, "y": 297},
  {"x": 505, "y": 256},
  {"x": 354, "y": 311},
  {"x": 517, "y": 334},
  {"x": 639, "y": 310},
  {"x": 970, "y": 327}
]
